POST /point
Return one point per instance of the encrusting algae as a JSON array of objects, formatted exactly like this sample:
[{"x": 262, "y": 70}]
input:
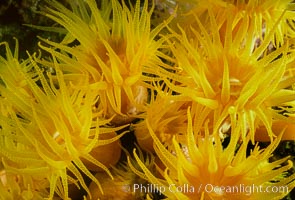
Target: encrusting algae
[{"x": 161, "y": 99}]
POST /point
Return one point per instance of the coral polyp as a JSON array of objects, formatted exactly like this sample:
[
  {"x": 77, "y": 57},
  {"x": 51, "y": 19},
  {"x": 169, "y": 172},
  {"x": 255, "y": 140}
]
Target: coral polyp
[
  {"x": 201, "y": 168},
  {"x": 266, "y": 16},
  {"x": 148, "y": 99},
  {"x": 230, "y": 75},
  {"x": 168, "y": 119},
  {"x": 114, "y": 53},
  {"x": 59, "y": 133}
]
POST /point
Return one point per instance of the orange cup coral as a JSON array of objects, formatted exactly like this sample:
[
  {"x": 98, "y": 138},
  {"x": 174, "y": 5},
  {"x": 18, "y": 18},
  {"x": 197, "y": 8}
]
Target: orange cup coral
[
  {"x": 193, "y": 82},
  {"x": 59, "y": 132},
  {"x": 201, "y": 168},
  {"x": 115, "y": 49},
  {"x": 230, "y": 76}
]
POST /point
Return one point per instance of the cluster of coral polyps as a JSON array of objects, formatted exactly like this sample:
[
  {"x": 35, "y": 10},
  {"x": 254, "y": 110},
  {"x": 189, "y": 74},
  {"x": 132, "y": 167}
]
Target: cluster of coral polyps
[{"x": 198, "y": 83}]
